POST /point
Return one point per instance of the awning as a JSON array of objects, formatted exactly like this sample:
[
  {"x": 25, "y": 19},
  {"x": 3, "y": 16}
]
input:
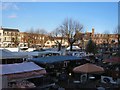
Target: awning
[
  {"x": 21, "y": 70},
  {"x": 55, "y": 59},
  {"x": 74, "y": 48},
  {"x": 6, "y": 54},
  {"x": 88, "y": 68}
]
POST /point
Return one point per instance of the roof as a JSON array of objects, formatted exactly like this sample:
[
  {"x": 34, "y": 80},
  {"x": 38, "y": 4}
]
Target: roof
[
  {"x": 114, "y": 59},
  {"x": 19, "y": 68},
  {"x": 9, "y": 29},
  {"x": 6, "y": 54},
  {"x": 38, "y": 53},
  {"x": 88, "y": 68},
  {"x": 54, "y": 59}
]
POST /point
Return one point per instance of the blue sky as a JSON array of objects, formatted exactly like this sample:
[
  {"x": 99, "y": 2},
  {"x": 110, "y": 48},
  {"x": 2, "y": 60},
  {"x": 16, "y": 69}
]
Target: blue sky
[{"x": 103, "y": 16}]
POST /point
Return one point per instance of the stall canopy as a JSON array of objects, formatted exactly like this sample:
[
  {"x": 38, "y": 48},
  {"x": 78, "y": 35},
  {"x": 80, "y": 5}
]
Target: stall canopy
[
  {"x": 44, "y": 53},
  {"x": 74, "y": 48},
  {"x": 21, "y": 70},
  {"x": 54, "y": 59},
  {"x": 6, "y": 54},
  {"x": 88, "y": 68},
  {"x": 114, "y": 60}
]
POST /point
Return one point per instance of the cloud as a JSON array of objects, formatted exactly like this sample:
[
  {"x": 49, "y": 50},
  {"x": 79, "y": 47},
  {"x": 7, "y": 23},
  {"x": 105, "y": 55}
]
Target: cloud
[
  {"x": 12, "y": 16},
  {"x": 10, "y": 5}
]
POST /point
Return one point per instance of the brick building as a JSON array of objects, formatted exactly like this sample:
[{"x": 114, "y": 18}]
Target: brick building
[
  {"x": 13, "y": 38},
  {"x": 32, "y": 39}
]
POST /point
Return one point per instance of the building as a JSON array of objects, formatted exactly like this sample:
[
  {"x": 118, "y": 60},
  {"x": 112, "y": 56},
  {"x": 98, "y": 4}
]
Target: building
[
  {"x": 55, "y": 40},
  {"x": 32, "y": 39},
  {"x": 13, "y": 38},
  {"x": 99, "y": 39},
  {"x": 105, "y": 38},
  {"x": 9, "y": 37}
]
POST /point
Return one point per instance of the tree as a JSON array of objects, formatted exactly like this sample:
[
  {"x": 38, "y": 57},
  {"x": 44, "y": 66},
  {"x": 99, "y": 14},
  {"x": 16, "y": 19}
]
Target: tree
[
  {"x": 80, "y": 39},
  {"x": 30, "y": 37},
  {"x": 70, "y": 28},
  {"x": 43, "y": 35},
  {"x": 57, "y": 33},
  {"x": 35, "y": 35},
  {"x": 91, "y": 47}
]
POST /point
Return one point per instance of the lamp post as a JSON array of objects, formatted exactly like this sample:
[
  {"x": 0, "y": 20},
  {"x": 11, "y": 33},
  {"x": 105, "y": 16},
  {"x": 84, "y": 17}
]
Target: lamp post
[{"x": 69, "y": 77}]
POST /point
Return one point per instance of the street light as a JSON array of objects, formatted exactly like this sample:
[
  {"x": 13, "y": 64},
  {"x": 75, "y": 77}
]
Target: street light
[{"x": 70, "y": 74}]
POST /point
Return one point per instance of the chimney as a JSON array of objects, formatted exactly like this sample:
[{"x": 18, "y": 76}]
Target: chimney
[{"x": 93, "y": 30}]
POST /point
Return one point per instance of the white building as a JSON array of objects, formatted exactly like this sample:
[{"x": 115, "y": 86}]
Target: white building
[
  {"x": 52, "y": 43},
  {"x": 9, "y": 37}
]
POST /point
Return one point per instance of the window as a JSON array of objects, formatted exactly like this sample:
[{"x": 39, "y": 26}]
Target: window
[
  {"x": 9, "y": 33},
  {"x": 5, "y": 38},
  {"x": 13, "y": 39},
  {"x": 5, "y": 33},
  {"x": 48, "y": 42}
]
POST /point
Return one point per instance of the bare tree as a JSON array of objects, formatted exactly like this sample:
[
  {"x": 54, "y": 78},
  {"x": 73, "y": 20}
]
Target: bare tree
[
  {"x": 43, "y": 35},
  {"x": 41, "y": 31},
  {"x": 57, "y": 33},
  {"x": 31, "y": 30},
  {"x": 70, "y": 29},
  {"x": 80, "y": 39},
  {"x": 30, "y": 37},
  {"x": 36, "y": 36}
]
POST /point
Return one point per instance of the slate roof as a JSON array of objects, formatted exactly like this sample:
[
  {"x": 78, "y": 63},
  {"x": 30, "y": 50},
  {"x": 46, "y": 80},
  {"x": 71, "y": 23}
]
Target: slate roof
[{"x": 9, "y": 29}]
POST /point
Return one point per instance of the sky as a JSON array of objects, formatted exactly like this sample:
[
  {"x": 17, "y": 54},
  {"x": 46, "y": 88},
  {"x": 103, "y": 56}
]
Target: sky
[
  {"x": 59, "y": 0},
  {"x": 102, "y": 16}
]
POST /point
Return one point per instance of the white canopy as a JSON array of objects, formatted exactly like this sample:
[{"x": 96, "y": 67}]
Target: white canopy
[
  {"x": 6, "y": 54},
  {"x": 19, "y": 68},
  {"x": 74, "y": 48}
]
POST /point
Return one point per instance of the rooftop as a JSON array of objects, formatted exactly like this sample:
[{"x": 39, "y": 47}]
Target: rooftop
[
  {"x": 54, "y": 59},
  {"x": 9, "y": 29}
]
